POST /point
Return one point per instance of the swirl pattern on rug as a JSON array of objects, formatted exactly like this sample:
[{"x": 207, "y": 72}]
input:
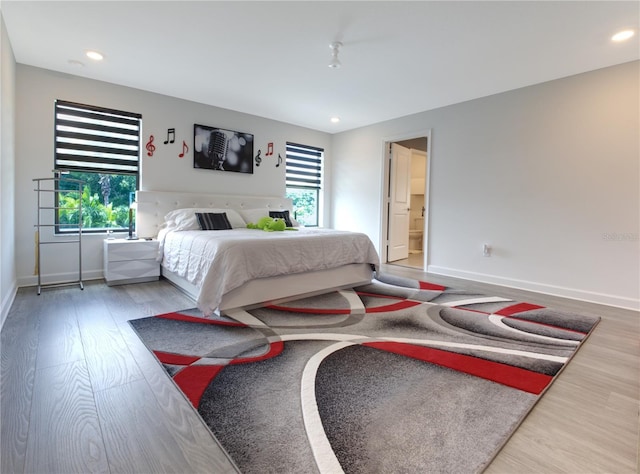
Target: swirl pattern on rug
[{"x": 395, "y": 376}]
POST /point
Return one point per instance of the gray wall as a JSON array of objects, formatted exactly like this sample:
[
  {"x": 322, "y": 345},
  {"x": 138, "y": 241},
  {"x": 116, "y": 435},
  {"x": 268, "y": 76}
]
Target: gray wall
[
  {"x": 7, "y": 173},
  {"x": 37, "y": 89},
  {"x": 548, "y": 175}
]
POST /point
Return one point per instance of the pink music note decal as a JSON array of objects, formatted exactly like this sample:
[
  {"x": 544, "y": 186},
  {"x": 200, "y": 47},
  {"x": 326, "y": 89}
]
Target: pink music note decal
[
  {"x": 185, "y": 149},
  {"x": 171, "y": 135},
  {"x": 150, "y": 146},
  {"x": 269, "y": 149}
]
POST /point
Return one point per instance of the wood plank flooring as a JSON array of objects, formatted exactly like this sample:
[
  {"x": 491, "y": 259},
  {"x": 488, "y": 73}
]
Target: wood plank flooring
[{"x": 80, "y": 393}]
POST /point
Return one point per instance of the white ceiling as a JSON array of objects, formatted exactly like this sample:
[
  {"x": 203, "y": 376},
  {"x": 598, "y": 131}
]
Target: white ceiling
[{"x": 270, "y": 58}]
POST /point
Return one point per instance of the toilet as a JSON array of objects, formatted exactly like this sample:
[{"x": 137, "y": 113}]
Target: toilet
[{"x": 415, "y": 235}]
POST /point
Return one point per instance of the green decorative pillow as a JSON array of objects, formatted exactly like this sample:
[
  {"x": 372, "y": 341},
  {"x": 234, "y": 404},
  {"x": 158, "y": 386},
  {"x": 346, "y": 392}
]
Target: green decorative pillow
[{"x": 270, "y": 224}]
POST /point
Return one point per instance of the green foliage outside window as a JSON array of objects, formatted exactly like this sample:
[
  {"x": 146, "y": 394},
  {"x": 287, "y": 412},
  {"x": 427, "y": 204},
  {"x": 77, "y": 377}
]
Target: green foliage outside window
[
  {"x": 105, "y": 201},
  {"x": 305, "y": 205}
]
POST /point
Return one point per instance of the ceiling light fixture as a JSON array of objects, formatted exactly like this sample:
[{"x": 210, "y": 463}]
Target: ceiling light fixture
[
  {"x": 335, "y": 49},
  {"x": 623, "y": 35},
  {"x": 96, "y": 56},
  {"x": 335, "y": 119}
]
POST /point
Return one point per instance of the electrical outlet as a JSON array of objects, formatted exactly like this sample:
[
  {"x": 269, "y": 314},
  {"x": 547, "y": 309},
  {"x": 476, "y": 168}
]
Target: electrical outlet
[{"x": 486, "y": 250}]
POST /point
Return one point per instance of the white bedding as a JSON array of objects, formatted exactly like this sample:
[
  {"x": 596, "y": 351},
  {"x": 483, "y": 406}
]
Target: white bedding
[{"x": 220, "y": 261}]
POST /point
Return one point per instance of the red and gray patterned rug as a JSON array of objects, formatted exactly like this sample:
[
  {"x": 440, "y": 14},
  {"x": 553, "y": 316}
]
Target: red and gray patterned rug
[{"x": 395, "y": 376}]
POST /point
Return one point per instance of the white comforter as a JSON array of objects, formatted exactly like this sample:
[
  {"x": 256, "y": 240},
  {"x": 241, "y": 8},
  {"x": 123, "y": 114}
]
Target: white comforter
[{"x": 220, "y": 261}]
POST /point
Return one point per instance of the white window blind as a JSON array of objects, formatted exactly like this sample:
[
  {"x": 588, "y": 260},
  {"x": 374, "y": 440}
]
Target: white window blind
[
  {"x": 95, "y": 139},
  {"x": 304, "y": 166}
]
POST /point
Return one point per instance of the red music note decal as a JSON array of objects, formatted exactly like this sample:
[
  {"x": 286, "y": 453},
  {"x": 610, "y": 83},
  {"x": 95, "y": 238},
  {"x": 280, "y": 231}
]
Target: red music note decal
[
  {"x": 150, "y": 146},
  {"x": 185, "y": 149},
  {"x": 269, "y": 149},
  {"x": 171, "y": 135}
]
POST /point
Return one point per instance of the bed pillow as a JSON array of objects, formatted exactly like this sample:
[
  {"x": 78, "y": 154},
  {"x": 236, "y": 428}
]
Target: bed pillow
[
  {"x": 185, "y": 219},
  {"x": 282, "y": 215},
  {"x": 254, "y": 215},
  {"x": 213, "y": 220}
]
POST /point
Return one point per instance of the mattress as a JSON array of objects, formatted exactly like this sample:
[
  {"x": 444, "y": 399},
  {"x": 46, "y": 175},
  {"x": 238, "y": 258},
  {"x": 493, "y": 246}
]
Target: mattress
[{"x": 219, "y": 261}]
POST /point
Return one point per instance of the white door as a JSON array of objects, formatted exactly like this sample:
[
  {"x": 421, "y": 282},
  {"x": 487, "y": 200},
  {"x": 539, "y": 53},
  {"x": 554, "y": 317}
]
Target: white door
[{"x": 399, "y": 205}]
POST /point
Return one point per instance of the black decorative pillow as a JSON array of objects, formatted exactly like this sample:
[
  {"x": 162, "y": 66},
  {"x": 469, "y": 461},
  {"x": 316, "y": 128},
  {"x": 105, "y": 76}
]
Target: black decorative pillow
[
  {"x": 282, "y": 215},
  {"x": 213, "y": 220}
]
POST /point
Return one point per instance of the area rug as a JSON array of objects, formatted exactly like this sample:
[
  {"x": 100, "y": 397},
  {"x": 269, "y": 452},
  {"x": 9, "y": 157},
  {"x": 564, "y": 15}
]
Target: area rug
[{"x": 395, "y": 376}]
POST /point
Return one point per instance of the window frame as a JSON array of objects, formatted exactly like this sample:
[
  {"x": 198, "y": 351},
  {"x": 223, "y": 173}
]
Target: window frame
[
  {"x": 304, "y": 170},
  {"x": 98, "y": 140}
]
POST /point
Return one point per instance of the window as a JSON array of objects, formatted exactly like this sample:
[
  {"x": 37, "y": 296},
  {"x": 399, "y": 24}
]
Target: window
[
  {"x": 101, "y": 147},
  {"x": 304, "y": 182}
]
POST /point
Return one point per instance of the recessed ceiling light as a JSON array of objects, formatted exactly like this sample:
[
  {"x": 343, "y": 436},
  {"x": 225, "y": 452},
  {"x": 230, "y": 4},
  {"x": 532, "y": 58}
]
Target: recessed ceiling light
[
  {"x": 76, "y": 63},
  {"x": 623, "y": 35},
  {"x": 335, "y": 119},
  {"x": 96, "y": 56}
]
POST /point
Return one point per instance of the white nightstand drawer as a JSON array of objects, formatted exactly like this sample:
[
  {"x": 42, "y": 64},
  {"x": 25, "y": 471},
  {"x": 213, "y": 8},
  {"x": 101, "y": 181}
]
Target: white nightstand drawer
[
  {"x": 130, "y": 261},
  {"x": 133, "y": 270},
  {"x": 133, "y": 249}
]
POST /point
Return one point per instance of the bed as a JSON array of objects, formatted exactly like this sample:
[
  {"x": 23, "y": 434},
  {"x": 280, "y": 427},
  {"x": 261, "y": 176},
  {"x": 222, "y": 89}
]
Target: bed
[{"x": 233, "y": 268}]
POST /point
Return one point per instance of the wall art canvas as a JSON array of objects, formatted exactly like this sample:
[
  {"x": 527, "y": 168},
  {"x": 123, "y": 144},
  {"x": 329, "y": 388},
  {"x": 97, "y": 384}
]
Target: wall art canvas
[{"x": 222, "y": 150}]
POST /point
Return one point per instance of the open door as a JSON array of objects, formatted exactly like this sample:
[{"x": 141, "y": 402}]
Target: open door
[{"x": 399, "y": 203}]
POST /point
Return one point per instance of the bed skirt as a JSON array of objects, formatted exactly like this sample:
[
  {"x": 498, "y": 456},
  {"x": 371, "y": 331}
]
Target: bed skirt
[{"x": 263, "y": 291}]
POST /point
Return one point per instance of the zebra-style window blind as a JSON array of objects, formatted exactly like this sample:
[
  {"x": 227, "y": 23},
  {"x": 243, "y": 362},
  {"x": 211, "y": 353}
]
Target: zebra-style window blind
[
  {"x": 304, "y": 181},
  {"x": 304, "y": 166},
  {"x": 96, "y": 140}
]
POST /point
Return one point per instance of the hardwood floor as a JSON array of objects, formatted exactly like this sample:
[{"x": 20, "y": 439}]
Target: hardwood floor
[
  {"x": 80, "y": 393},
  {"x": 414, "y": 260}
]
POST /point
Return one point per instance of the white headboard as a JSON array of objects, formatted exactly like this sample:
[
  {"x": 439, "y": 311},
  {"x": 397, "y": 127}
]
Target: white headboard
[{"x": 154, "y": 205}]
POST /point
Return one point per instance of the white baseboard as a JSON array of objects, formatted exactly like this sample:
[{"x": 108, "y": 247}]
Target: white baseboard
[
  {"x": 60, "y": 277},
  {"x": 571, "y": 293},
  {"x": 7, "y": 301}
]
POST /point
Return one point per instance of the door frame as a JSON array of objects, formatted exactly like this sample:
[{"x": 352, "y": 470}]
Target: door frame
[{"x": 385, "y": 198}]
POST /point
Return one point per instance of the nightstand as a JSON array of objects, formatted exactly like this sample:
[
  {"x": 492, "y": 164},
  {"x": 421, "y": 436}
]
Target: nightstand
[{"x": 130, "y": 261}]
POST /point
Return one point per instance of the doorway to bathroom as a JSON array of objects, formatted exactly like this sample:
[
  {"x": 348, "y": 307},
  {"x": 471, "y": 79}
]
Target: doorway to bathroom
[{"x": 406, "y": 216}]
